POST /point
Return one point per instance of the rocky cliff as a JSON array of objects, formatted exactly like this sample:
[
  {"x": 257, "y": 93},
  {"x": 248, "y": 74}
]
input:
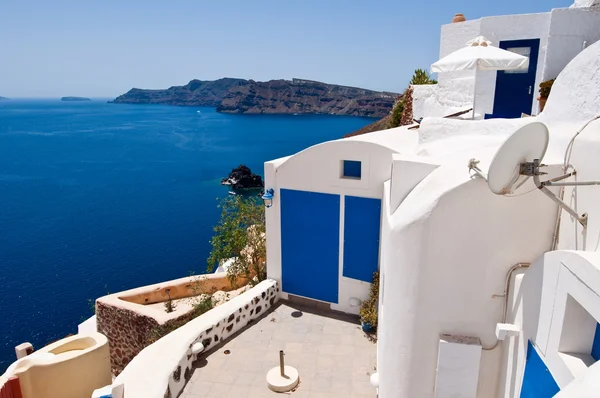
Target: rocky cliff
[
  {"x": 273, "y": 97},
  {"x": 305, "y": 96},
  {"x": 195, "y": 93}
]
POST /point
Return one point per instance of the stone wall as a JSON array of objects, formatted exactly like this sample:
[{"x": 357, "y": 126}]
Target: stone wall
[
  {"x": 127, "y": 332},
  {"x": 130, "y": 324},
  {"x": 407, "y": 113},
  {"x": 130, "y": 332},
  {"x": 241, "y": 316},
  {"x": 162, "y": 369}
]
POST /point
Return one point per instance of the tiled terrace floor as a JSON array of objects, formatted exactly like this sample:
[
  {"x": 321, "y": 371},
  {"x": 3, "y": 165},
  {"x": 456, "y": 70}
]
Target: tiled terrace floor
[{"x": 333, "y": 356}]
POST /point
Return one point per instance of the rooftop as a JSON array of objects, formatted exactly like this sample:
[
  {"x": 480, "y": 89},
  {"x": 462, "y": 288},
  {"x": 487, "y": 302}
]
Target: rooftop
[{"x": 333, "y": 356}]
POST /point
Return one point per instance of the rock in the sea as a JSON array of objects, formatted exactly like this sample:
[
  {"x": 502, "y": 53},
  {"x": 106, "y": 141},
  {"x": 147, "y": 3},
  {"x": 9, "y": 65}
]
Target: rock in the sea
[{"x": 242, "y": 178}]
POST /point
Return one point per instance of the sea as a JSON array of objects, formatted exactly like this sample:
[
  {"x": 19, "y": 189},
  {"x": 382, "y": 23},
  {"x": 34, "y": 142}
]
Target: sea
[{"x": 96, "y": 198}]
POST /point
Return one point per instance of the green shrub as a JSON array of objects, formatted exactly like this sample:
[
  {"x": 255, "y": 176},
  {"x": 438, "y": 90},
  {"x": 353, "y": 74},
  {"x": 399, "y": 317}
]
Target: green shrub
[
  {"x": 397, "y": 112},
  {"x": 545, "y": 88},
  {"x": 368, "y": 309},
  {"x": 203, "y": 305},
  {"x": 240, "y": 234},
  {"x": 422, "y": 77},
  {"x": 169, "y": 306}
]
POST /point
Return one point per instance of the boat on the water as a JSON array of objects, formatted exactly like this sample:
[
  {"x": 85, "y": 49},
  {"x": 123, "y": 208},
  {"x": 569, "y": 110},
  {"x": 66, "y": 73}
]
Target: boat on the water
[{"x": 232, "y": 193}]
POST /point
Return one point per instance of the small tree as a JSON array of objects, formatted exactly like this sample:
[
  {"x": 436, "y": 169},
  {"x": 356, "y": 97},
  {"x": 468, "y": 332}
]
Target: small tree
[
  {"x": 240, "y": 234},
  {"x": 397, "y": 111},
  {"x": 422, "y": 77}
]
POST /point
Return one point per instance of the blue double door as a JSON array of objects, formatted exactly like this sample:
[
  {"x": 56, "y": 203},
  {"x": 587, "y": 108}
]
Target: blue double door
[
  {"x": 310, "y": 242},
  {"x": 515, "y": 90}
]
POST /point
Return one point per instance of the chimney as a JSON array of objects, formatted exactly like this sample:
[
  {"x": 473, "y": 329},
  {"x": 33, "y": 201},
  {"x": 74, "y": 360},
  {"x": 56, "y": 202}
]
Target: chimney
[{"x": 458, "y": 18}]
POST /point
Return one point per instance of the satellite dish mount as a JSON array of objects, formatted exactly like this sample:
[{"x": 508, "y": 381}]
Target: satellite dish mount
[
  {"x": 520, "y": 158},
  {"x": 532, "y": 169}
]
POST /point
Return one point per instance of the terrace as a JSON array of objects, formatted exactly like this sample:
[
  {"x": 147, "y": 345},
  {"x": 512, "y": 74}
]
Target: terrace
[{"x": 333, "y": 356}]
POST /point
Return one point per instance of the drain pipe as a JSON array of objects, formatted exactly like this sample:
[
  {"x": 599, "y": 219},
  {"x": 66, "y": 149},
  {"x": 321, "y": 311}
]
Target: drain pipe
[{"x": 509, "y": 275}]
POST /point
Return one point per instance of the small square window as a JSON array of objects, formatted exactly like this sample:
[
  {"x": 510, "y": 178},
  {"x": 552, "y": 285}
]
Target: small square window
[{"x": 351, "y": 169}]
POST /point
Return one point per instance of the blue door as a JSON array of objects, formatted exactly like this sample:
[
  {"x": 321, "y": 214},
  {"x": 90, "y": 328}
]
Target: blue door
[
  {"x": 362, "y": 222},
  {"x": 516, "y": 89},
  {"x": 310, "y": 240}
]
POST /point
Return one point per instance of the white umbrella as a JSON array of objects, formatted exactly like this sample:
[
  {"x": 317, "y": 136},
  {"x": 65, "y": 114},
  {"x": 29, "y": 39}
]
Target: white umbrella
[{"x": 480, "y": 54}]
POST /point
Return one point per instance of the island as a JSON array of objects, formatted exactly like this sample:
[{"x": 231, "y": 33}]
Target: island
[
  {"x": 195, "y": 93},
  {"x": 296, "y": 96},
  {"x": 242, "y": 178},
  {"x": 3, "y": 99},
  {"x": 75, "y": 99}
]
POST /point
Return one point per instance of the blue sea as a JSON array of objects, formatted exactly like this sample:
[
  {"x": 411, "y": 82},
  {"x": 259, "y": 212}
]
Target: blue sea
[{"x": 96, "y": 198}]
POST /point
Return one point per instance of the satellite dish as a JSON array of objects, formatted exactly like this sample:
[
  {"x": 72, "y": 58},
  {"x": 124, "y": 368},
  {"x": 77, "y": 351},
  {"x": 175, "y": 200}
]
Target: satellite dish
[{"x": 524, "y": 145}]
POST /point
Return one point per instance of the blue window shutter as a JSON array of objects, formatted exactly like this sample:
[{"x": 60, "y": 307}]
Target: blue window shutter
[{"x": 352, "y": 169}]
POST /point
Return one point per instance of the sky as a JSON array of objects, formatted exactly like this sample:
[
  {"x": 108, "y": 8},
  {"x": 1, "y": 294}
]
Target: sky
[{"x": 104, "y": 48}]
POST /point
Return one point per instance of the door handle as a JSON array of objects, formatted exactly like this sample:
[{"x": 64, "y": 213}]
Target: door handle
[{"x": 529, "y": 90}]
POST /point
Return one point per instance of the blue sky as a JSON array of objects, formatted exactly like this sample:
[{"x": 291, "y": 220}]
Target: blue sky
[{"x": 103, "y": 48}]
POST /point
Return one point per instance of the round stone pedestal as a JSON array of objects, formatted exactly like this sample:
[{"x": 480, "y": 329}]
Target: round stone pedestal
[{"x": 279, "y": 383}]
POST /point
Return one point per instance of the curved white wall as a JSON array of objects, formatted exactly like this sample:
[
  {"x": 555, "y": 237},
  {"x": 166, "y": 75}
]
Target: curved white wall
[
  {"x": 573, "y": 102},
  {"x": 163, "y": 368},
  {"x": 539, "y": 307},
  {"x": 448, "y": 246},
  {"x": 317, "y": 169},
  {"x": 445, "y": 252}
]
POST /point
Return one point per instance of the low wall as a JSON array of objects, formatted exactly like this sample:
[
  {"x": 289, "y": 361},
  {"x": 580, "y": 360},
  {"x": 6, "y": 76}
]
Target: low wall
[
  {"x": 180, "y": 288},
  {"x": 162, "y": 369},
  {"x": 130, "y": 322},
  {"x": 72, "y": 367},
  {"x": 10, "y": 387}
]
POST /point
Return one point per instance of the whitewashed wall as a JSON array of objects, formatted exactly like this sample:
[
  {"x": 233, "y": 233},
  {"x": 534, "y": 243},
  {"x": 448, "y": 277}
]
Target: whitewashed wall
[
  {"x": 563, "y": 33},
  {"x": 317, "y": 169},
  {"x": 572, "y": 103},
  {"x": 447, "y": 248},
  {"x": 163, "y": 368},
  {"x": 537, "y": 303},
  {"x": 454, "y": 91},
  {"x": 447, "y": 252},
  {"x": 511, "y": 27},
  {"x": 571, "y": 31},
  {"x": 541, "y": 306}
]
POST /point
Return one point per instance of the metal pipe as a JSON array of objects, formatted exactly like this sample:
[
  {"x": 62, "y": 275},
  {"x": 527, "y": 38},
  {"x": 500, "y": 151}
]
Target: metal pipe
[
  {"x": 281, "y": 364},
  {"x": 505, "y": 295},
  {"x": 563, "y": 177},
  {"x": 570, "y": 184},
  {"x": 541, "y": 186}
]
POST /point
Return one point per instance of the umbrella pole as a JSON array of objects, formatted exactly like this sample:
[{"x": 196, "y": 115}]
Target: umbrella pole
[{"x": 474, "y": 94}]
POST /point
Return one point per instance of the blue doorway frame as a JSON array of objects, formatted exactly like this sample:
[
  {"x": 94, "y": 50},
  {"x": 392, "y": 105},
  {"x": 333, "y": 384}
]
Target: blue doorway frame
[{"x": 515, "y": 90}]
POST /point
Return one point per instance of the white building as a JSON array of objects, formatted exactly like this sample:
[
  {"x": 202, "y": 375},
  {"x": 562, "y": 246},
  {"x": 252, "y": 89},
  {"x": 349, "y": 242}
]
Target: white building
[
  {"x": 549, "y": 39},
  {"x": 481, "y": 295},
  {"x": 324, "y": 225}
]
